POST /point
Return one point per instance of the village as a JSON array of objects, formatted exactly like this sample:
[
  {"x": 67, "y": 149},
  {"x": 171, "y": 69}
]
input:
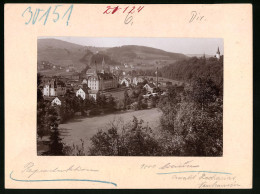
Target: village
[
  {"x": 126, "y": 102},
  {"x": 107, "y": 81}
]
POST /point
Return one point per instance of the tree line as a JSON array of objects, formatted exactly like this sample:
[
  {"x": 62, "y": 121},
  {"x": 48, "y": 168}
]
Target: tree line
[{"x": 191, "y": 125}]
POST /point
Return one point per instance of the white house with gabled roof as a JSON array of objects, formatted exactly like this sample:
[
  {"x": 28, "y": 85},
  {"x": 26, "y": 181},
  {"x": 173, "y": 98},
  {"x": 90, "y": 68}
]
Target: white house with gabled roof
[{"x": 82, "y": 92}]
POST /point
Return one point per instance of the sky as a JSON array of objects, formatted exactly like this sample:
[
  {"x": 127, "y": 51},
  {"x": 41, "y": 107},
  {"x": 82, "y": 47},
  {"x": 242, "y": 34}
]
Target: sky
[{"x": 177, "y": 45}]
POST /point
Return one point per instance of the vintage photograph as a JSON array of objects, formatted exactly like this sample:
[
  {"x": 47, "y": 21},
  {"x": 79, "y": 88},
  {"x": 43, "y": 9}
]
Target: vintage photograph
[{"x": 129, "y": 96}]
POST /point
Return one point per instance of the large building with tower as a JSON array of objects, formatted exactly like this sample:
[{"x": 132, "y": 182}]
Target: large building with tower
[{"x": 101, "y": 80}]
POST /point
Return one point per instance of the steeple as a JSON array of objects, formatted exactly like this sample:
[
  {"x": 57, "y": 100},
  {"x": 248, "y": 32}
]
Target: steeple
[{"x": 218, "y": 52}]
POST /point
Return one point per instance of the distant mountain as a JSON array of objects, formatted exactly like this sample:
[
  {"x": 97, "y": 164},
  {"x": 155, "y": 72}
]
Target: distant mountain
[
  {"x": 60, "y": 52},
  {"x": 132, "y": 52},
  {"x": 64, "y": 53}
]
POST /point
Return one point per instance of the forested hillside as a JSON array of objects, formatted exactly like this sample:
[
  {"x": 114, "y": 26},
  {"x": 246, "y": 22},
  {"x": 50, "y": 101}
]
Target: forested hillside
[{"x": 187, "y": 70}]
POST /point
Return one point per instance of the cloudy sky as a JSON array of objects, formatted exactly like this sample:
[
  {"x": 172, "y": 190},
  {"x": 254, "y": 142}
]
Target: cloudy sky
[{"x": 177, "y": 45}]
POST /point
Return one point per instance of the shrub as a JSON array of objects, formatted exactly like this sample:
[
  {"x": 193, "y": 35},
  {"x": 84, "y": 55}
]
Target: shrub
[
  {"x": 95, "y": 112},
  {"x": 134, "y": 140}
]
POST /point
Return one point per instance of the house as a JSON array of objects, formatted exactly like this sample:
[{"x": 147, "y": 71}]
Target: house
[
  {"x": 93, "y": 93},
  {"x": 54, "y": 87},
  {"x": 84, "y": 81},
  {"x": 126, "y": 81},
  {"x": 57, "y": 101},
  {"x": 149, "y": 87},
  {"x": 82, "y": 92},
  {"x": 137, "y": 80}
]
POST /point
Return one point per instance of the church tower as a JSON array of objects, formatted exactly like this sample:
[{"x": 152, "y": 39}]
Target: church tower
[{"x": 218, "y": 54}]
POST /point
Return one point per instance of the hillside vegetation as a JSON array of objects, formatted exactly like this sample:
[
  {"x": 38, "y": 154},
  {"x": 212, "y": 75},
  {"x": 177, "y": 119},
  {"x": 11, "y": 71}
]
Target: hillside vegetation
[{"x": 192, "y": 68}]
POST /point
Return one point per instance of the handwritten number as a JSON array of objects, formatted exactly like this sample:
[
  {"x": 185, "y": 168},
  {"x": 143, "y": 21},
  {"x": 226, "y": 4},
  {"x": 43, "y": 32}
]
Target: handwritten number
[
  {"x": 30, "y": 11},
  {"x": 70, "y": 9},
  {"x": 128, "y": 19},
  {"x": 132, "y": 10},
  {"x": 125, "y": 9},
  {"x": 36, "y": 14},
  {"x": 140, "y": 8},
  {"x": 47, "y": 13},
  {"x": 54, "y": 12}
]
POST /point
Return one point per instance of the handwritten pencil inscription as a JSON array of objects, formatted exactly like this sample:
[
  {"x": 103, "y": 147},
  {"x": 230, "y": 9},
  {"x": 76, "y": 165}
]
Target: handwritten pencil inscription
[
  {"x": 30, "y": 169},
  {"x": 189, "y": 171},
  {"x": 196, "y": 17}
]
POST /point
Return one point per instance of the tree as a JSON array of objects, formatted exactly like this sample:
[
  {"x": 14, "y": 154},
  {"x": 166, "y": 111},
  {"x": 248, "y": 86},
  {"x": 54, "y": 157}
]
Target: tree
[
  {"x": 76, "y": 104},
  {"x": 39, "y": 91},
  {"x": 56, "y": 146},
  {"x": 134, "y": 140},
  {"x": 41, "y": 114},
  {"x": 139, "y": 102},
  {"x": 154, "y": 101},
  {"x": 51, "y": 121},
  {"x": 127, "y": 99},
  {"x": 204, "y": 91},
  {"x": 101, "y": 101},
  {"x": 201, "y": 130},
  {"x": 40, "y": 109},
  {"x": 111, "y": 103},
  {"x": 194, "y": 118}
]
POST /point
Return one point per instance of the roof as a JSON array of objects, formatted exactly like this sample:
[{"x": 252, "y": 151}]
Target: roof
[
  {"x": 218, "y": 52},
  {"x": 151, "y": 85},
  {"x": 85, "y": 89},
  {"x": 61, "y": 98},
  {"x": 106, "y": 76},
  {"x": 126, "y": 78},
  {"x": 49, "y": 98},
  {"x": 84, "y": 81},
  {"x": 91, "y": 71}
]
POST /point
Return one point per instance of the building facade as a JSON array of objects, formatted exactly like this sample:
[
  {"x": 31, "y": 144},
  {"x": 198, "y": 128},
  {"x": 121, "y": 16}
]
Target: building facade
[
  {"x": 82, "y": 92},
  {"x": 149, "y": 87},
  {"x": 101, "y": 81},
  {"x": 54, "y": 88}
]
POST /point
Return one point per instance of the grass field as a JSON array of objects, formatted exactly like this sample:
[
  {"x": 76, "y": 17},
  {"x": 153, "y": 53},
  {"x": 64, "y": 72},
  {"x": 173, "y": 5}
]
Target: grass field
[{"x": 85, "y": 128}]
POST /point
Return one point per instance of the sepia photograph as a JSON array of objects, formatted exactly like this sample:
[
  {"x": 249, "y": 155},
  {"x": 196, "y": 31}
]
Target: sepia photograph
[{"x": 129, "y": 96}]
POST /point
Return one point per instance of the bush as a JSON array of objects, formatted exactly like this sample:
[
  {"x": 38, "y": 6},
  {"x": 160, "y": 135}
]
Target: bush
[
  {"x": 95, "y": 112},
  {"x": 135, "y": 140}
]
